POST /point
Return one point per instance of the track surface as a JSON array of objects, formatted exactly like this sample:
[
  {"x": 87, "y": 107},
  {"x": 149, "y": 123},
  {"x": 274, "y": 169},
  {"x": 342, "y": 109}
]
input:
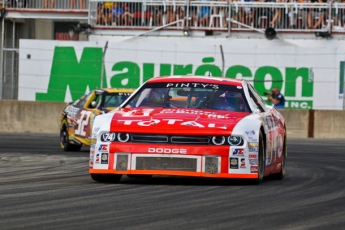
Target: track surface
[{"x": 42, "y": 187}]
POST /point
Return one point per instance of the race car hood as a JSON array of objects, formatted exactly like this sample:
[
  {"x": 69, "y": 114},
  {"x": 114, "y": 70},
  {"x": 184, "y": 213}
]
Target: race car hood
[{"x": 175, "y": 121}]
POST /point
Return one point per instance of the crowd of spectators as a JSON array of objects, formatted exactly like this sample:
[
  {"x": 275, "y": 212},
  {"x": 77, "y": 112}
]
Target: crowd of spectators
[{"x": 200, "y": 13}]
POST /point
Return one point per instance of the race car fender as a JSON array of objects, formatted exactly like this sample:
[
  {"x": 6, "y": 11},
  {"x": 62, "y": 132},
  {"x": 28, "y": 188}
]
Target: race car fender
[
  {"x": 249, "y": 129},
  {"x": 99, "y": 152}
]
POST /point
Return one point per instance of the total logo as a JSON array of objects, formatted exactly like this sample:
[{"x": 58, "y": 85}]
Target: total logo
[{"x": 238, "y": 152}]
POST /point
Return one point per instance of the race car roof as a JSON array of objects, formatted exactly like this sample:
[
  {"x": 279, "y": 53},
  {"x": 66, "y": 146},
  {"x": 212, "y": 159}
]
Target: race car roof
[{"x": 209, "y": 80}]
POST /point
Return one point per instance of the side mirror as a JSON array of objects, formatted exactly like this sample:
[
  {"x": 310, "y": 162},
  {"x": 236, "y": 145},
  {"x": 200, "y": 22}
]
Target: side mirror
[{"x": 94, "y": 104}]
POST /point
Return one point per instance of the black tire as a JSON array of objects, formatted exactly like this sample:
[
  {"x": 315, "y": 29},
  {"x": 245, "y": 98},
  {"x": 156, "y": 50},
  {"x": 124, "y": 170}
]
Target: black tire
[
  {"x": 64, "y": 143},
  {"x": 106, "y": 178},
  {"x": 281, "y": 174},
  {"x": 261, "y": 161},
  {"x": 136, "y": 176}
]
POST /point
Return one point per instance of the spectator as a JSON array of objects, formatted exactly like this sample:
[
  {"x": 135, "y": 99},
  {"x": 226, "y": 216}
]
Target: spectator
[
  {"x": 204, "y": 13},
  {"x": 316, "y": 16},
  {"x": 115, "y": 14},
  {"x": 192, "y": 14},
  {"x": 302, "y": 13},
  {"x": 279, "y": 19},
  {"x": 103, "y": 12},
  {"x": 157, "y": 15},
  {"x": 246, "y": 14},
  {"x": 337, "y": 15},
  {"x": 127, "y": 15},
  {"x": 101, "y": 16},
  {"x": 277, "y": 98},
  {"x": 52, "y": 3},
  {"x": 81, "y": 4},
  {"x": 107, "y": 12},
  {"x": 171, "y": 13}
]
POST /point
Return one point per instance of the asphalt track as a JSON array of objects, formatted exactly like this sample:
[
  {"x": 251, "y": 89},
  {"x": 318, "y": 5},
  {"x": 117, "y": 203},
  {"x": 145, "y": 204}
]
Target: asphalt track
[{"x": 42, "y": 187}]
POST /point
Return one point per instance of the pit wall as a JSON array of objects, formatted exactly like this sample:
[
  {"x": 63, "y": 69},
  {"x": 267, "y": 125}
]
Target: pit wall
[{"x": 44, "y": 117}]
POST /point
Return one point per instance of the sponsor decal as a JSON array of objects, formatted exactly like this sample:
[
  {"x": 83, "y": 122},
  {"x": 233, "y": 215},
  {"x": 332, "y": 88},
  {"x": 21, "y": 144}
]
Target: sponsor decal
[
  {"x": 174, "y": 122},
  {"x": 251, "y": 136},
  {"x": 254, "y": 169},
  {"x": 192, "y": 111},
  {"x": 233, "y": 162},
  {"x": 253, "y": 161},
  {"x": 238, "y": 152},
  {"x": 92, "y": 146},
  {"x": 104, "y": 158},
  {"x": 192, "y": 85},
  {"x": 91, "y": 158},
  {"x": 138, "y": 70},
  {"x": 253, "y": 149},
  {"x": 103, "y": 148},
  {"x": 167, "y": 150},
  {"x": 108, "y": 137},
  {"x": 253, "y": 156},
  {"x": 250, "y": 133},
  {"x": 97, "y": 158},
  {"x": 253, "y": 144},
  {"x": 243, "y": 163}
]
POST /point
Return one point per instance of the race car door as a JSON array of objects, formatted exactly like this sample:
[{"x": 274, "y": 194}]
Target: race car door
[
  {"x": 269, "y": 125},
  {"x": 85, "y": 116}
]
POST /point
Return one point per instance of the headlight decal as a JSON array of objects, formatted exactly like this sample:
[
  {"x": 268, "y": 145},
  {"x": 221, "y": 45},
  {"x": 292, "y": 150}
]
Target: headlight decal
[
  {"x": 123, "y": 137},
  {"x": 218, "y": 140},
  {"x": 235, "y": 140},
  {"x": 108, "y": 137}
]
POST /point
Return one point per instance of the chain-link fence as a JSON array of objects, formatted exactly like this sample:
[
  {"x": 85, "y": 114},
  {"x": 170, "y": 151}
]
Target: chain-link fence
[{"x": 10, "y": 63}]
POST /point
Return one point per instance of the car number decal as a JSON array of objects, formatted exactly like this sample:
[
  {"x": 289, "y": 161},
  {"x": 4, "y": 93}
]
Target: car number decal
[{"x": 82, "y": 122}]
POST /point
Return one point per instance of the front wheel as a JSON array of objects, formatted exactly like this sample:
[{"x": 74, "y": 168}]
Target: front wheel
[
  {"x": 261, "y": 160},
  {"x": 281, "y": 174},
  {"x": 64, "y": 140},
  {"x": 106, "y": 178}
]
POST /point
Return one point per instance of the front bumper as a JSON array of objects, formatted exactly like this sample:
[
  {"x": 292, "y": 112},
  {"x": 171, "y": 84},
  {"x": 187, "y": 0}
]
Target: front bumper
[{"x": 175, "y": 160}]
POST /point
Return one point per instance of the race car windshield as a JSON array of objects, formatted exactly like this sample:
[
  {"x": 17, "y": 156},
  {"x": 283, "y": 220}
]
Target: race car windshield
[
  {"x": 114, "y": 99},
  {"x": 190, "y": 95}
]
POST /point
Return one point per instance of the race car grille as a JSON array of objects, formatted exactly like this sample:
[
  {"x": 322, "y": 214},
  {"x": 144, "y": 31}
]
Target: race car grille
[
  {"x": 146, "y": 138},
  {"x": 189, "y": 140},
  {"x": 150, "y": 138},
  {"x": 166, "y": 163}
]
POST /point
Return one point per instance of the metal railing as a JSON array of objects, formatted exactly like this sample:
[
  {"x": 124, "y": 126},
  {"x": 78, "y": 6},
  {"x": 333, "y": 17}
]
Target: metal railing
[
  {"x": 225, "y": 15},
  {"x": 46, "y": 4},
  {"x": 217, "y": 15}
]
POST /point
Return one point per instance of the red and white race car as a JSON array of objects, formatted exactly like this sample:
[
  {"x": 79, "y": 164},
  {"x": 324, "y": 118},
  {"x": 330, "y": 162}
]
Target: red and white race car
[{"x": 190, "y": 126}]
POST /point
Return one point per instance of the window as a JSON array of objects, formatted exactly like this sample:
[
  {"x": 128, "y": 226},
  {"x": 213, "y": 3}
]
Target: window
[{"x": 191, "y": 95}]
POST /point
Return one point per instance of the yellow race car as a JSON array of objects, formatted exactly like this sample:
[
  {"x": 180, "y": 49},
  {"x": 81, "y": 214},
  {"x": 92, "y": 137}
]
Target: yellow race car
[{"x": 77, "y": 118}]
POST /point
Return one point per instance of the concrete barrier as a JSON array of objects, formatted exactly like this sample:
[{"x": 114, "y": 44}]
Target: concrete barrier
[
  {"x": 31, "y": 117},
  {"x": 329, "y": 124},
  {"x": 296, "y": 123},
  {"x": 44, "y": 117}
]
